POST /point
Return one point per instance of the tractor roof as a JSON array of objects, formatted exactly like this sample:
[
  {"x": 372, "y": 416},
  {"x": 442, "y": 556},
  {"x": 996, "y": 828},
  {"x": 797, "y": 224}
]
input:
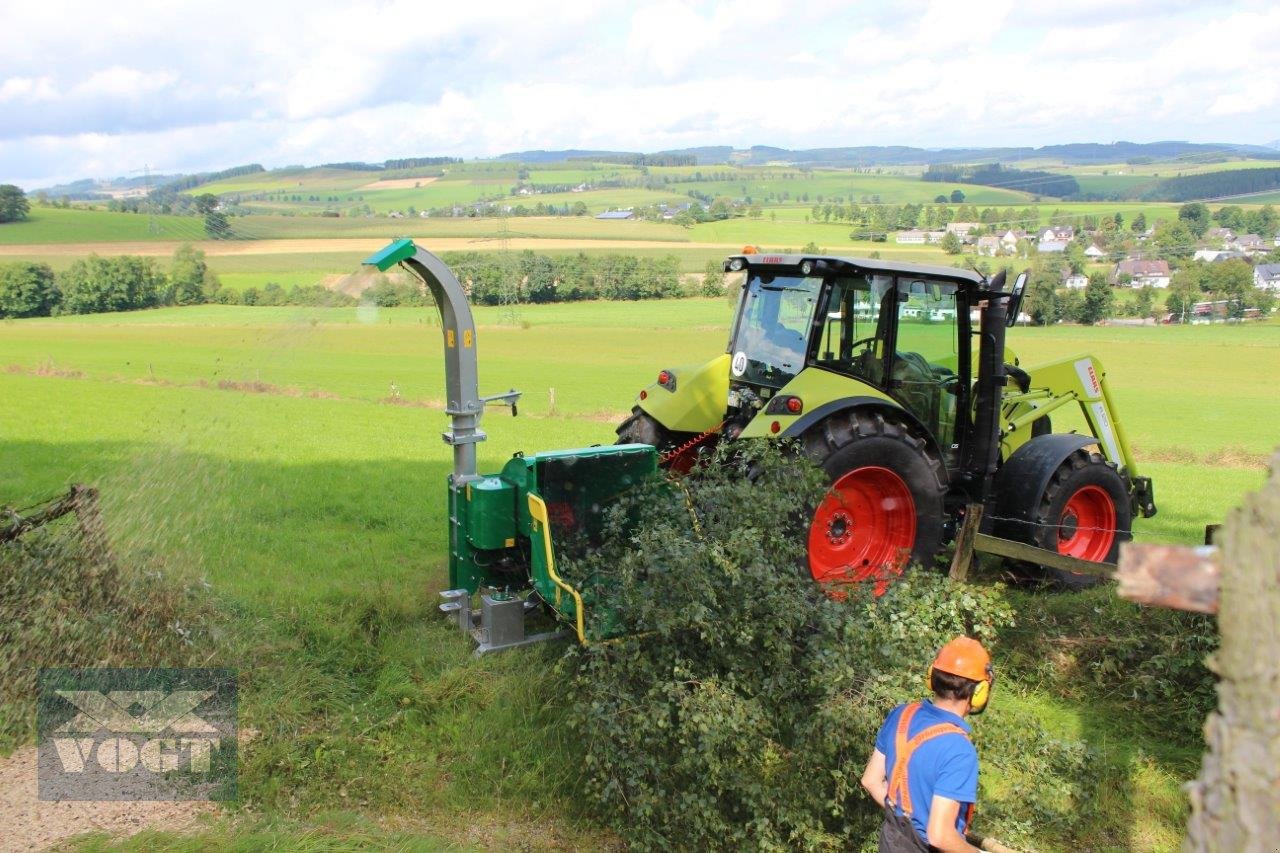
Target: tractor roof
[{"x": 856, "y": 265}]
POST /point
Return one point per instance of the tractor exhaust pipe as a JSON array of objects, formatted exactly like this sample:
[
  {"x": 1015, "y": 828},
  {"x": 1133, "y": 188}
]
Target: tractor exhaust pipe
[{"x": 984, "y": 449}]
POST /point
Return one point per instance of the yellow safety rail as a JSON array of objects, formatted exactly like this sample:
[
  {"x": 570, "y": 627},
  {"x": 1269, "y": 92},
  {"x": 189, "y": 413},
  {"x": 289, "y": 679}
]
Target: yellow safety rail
[{"x": 538, "y": 510}]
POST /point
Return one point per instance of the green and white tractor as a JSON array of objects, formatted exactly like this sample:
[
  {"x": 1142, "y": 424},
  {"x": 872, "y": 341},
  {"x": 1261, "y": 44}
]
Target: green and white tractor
[{"x": 872, "y": 369}]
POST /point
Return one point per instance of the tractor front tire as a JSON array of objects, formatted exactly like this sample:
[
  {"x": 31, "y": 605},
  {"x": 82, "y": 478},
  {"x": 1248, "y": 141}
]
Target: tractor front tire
[
  {"x": 1084, "y": 512},
  {"x": 884, "y": 511}
]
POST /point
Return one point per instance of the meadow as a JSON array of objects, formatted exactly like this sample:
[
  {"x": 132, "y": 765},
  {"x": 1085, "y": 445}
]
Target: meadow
[{"x": 291, "y": 458}]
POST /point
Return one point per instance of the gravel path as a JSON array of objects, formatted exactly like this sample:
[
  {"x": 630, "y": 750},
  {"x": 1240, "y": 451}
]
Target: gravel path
[{"x": 27, "y": 824}]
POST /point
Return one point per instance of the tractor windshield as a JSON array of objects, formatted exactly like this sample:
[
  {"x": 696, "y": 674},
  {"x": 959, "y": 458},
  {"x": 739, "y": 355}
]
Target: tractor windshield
[{"x": 772, "y": 334}]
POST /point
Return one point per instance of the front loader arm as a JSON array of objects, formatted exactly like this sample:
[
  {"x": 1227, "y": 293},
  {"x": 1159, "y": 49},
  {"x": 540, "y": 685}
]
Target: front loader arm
[{"x": 1079, "y": 379}]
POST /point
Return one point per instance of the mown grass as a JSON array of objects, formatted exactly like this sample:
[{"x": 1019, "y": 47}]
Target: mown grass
[{"x": 255, "y": 447}]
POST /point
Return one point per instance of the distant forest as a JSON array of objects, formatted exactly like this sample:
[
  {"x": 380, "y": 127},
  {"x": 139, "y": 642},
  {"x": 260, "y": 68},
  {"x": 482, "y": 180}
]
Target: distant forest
[
  {"x": 995, "y": 175},
  {"x": 1214, "y": 185}
]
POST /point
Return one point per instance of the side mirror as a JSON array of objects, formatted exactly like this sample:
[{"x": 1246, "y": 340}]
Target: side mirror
[{"x": 1015, "y": 298}]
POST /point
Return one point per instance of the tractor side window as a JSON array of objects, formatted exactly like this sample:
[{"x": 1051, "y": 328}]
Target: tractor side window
[
  {"x": 853, "y": 333},
  {"x": 925, "y": 358}
]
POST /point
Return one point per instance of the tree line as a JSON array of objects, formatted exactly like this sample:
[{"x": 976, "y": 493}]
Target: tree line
[
  {"x": 126, "y": 283},
  {"x": 994, "y": 175},
  {"x": 95, "y": 285}
]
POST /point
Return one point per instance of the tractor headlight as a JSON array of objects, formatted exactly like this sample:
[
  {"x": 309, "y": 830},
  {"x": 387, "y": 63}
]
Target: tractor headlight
[
  {"x": 736, "y": 264},
  {"x": 806, "y": 268}
]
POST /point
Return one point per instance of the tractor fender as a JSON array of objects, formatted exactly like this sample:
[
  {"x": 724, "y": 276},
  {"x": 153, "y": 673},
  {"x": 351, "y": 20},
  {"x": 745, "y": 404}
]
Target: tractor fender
[
  {"x": 1025, "y": 475},
  {"x": 875, "y": 404}
]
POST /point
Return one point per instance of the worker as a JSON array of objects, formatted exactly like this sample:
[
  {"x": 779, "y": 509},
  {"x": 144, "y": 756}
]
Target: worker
[{"x": 924, "y": 769}]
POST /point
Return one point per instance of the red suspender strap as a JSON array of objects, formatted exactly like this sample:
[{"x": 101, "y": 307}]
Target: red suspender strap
[{"x": 899, "y": 792}]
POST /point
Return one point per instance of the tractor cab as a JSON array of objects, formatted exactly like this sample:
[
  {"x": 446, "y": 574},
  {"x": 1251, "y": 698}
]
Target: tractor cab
[{"x": 897, "y": 333}]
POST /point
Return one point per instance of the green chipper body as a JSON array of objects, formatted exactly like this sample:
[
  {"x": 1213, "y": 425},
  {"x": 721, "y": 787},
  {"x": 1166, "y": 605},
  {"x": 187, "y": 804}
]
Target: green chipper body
[{"x": 507, "y": 531}]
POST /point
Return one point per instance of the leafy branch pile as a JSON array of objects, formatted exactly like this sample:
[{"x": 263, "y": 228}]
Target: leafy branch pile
[{"x": 742, "y": 714}]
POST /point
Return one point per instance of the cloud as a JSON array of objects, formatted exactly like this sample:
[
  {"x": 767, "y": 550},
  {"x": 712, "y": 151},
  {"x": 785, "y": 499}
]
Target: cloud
[{"x": 203, "y": 87}]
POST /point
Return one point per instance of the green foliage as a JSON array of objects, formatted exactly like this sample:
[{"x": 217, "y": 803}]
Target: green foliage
[
  {"x": 215, "y": 221},
  {"x": 1196, "y": 217},
  {"x": 1042, "y": 301},
  {"x": 712, "y": 279},
  {"x": 124, "y": 283},
  {"x": 13, "y": 203},
  {"x": 951, "y": 243},
  {"x": 744, "y": 705},
  {"x": 27, "y": 290},
  {"x": 190, "y": 280},
  {"x": 1099, "y": 300}
]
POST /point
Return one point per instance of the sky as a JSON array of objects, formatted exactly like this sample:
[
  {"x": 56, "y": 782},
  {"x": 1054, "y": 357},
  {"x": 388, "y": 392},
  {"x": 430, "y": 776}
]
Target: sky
[{"x": 110, "y": 89}]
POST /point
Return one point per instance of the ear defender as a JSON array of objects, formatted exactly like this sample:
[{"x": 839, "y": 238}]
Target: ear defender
[{"x": 981, "y": 694}]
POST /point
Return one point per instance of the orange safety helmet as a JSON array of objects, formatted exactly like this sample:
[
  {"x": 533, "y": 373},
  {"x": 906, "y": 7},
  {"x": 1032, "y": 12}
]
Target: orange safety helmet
[{"x": 965, "y": 657}]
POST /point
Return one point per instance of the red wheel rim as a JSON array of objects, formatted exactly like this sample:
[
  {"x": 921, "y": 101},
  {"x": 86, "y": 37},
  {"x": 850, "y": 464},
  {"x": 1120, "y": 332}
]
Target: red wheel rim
[
  {"x": 864, "y": 529},
  {"x": 1087, "y": 526}
]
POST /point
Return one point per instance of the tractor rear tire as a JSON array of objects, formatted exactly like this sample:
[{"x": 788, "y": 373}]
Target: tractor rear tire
[
  {"x": 884, "y": 512},
  {"x": 1084, "y": 512}
]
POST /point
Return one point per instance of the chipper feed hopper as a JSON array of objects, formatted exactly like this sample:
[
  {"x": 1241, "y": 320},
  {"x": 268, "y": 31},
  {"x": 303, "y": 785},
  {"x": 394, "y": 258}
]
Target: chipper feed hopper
[{"x": 506, "y": 529}]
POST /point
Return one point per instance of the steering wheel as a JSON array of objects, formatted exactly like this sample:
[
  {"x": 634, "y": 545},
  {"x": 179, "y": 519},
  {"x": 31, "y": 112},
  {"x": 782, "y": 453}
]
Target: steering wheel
[{"x": 856, "y": 343}]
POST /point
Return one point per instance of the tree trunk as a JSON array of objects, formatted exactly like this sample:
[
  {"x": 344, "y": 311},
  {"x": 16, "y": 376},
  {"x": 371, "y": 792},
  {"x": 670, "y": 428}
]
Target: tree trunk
[{"x": 1235, "y": 804}]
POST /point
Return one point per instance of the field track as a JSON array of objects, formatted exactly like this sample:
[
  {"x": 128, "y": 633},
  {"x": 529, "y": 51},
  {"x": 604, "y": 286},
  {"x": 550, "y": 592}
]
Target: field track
[{"x": 213, "y": 248}]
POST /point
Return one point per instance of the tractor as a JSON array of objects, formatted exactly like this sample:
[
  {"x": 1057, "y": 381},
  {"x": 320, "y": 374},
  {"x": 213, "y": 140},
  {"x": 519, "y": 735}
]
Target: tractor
[
  {"x": 869, "y": 367},
  {"x": 866, "y": 367}
]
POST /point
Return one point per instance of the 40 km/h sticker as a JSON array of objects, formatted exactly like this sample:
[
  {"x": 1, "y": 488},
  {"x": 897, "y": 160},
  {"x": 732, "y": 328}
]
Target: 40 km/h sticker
[{"x": 739, "y": 365}]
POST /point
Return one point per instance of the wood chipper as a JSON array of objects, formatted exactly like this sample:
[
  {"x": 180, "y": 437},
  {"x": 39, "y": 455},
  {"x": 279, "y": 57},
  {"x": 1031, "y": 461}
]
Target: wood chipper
[
  {"x": 506, "y": 529},
  {"x": 869, "y": 369}
]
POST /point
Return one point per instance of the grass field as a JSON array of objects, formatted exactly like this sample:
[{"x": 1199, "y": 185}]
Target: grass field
[{"x": 314, "y": 508}]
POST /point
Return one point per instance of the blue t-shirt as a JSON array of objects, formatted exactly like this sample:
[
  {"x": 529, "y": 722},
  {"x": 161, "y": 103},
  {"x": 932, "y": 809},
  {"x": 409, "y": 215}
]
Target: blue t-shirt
[{"x": 946, "y": 765}]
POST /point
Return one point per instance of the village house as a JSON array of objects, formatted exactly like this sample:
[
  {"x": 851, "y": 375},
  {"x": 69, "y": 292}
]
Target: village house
[
  {"x": 1095, "y": 252},
  {"x": 1074, "y": 280},
  {"x": 1267, "y": 277},
  {"x": 1009, "y": 240},
  {"x": 963, "y": 230},
  {"x": 1249, "y": 244},
  {"x": 989, "y": 245},
  {"x": 1143, "y": 273},
  {"x": 1051, "y": 246},
  {"x": 1221, "y": 236},
  {"x": 917, "y": 237},
  {"x": 616, "y": 214},
  {"x": 1058, "y": 233}
]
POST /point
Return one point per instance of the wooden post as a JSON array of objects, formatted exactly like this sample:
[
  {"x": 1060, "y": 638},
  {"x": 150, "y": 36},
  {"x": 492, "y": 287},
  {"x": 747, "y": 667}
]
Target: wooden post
[
  {"x": 1235, "y": 803},
  {"x": 964, "y": 542},
  {"x": 89, "y": 520}
]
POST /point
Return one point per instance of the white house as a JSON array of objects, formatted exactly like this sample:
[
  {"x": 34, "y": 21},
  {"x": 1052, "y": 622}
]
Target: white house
[
  {"x": 1095, "y": 252},
  {"x": 1143, "y": 273},
  {"x": 918, "y": 237},
  {"x": 962, "y": 229},
  {"x": 989, "y": 244},
  {"x": 1074, "y": 280},
  {"x": 1064, "y": 233},
  {"x": 1051, "y": 246},
  {"x": 1267, "y": 277}
]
